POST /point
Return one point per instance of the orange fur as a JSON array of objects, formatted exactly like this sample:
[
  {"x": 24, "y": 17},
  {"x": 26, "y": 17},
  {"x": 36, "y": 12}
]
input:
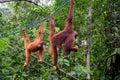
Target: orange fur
[
  {"x": 36, "y": 45},
  {"x": 65, "y": 38}
]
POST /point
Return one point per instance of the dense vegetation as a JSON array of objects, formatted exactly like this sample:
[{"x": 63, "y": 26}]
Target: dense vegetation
[{"x": 105, "y": 55}]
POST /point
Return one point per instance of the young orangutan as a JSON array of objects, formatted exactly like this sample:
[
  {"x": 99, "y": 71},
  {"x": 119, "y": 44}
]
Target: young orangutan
[
  {"x": 65, "y": 38},
  {"x": 37, "y": 45}
]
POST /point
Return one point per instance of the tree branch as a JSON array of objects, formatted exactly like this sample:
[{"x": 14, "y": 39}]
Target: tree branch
[{"x": 30, "y": 1}]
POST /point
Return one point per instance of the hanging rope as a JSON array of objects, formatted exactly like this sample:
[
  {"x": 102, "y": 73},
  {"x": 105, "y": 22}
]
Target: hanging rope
[{"x": 36, "y": 22}]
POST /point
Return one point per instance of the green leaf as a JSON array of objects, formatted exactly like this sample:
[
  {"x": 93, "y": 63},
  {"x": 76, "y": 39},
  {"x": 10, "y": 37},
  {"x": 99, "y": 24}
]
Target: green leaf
[{"x": 4, "y": 43}]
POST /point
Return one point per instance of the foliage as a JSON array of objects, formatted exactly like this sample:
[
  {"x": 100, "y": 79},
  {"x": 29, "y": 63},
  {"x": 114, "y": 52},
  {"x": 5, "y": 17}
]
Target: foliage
[
  {"x": 4, "y": 43},
  {"x": 105, "y": 57}
]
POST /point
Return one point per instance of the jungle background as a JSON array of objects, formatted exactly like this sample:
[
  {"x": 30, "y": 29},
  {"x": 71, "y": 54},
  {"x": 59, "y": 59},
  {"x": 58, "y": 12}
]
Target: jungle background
[{"x": 105, "y": 40}]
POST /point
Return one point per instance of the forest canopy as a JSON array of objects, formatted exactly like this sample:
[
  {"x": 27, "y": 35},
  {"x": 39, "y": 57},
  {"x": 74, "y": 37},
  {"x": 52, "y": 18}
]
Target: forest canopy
[{"x": 104, "y": 39}]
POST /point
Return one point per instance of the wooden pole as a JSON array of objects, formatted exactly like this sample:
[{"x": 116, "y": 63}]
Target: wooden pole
[{"x": 89, "y": 38}]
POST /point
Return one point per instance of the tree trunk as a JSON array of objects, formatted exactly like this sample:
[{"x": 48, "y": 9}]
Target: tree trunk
[{"x": 89, "y": 39}]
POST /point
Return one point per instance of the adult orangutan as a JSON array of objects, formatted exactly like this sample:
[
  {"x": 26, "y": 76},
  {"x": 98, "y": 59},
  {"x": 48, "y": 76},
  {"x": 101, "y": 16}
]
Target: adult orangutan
[
  {"x": 65, "y": 38},
  {"x": 36, "y": 45}
]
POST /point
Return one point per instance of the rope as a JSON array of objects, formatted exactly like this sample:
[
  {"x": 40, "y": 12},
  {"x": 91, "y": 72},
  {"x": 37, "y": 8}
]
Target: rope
[
  {"x": 60, "y": 70},
  {"x": 36, "y": 22}
]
